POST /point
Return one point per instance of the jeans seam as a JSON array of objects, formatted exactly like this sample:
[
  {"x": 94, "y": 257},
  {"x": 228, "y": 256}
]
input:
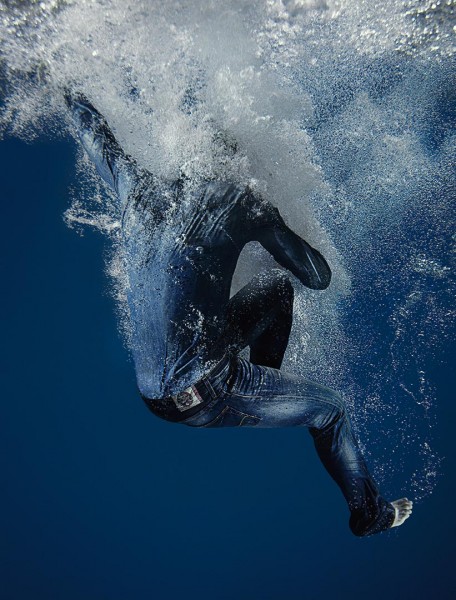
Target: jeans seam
[
  {"x": 327, "y": 402},
  {"x": 246, "y": 416},
  {"x": 215, "y": 419},
  {"x": 279, "y": 396},
  {"x": 226, "y": 409}
]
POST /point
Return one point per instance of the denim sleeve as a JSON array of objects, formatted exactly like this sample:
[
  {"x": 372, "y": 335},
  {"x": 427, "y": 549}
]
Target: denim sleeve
[
  {"x": 116, "y": 168},
  {"x": 290, "y": 250}
]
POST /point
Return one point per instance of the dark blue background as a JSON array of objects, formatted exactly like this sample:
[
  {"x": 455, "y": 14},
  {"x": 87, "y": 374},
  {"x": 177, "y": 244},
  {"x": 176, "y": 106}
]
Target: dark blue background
[{"x": 100, "y": 500}]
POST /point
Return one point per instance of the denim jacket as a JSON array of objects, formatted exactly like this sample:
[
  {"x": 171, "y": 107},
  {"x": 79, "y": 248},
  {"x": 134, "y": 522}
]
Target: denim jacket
[{"x": 181, "y": 253}]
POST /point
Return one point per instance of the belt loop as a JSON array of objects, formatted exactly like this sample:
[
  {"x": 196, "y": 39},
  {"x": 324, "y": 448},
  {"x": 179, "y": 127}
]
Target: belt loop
[
  {"x": 209, "y": 387},
  {"x": 215, "y": 372}
]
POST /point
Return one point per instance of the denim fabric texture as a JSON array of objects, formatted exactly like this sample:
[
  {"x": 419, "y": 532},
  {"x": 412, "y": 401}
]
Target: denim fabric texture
[
  {"x": 241, "y": 394},
  {"x": 181, "y": 254},
  {"x": 181, "y": 245}
]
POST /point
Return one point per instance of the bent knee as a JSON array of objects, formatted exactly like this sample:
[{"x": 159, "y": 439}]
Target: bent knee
[
  {"x": 338, "y": 403},
  {"x": 281, "y": 284},
  {"x": 336, "y": 409}
]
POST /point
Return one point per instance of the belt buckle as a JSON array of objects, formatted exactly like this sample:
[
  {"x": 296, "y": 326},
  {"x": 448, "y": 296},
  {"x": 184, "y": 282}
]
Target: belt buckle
[{"x": 187, "y": 399}]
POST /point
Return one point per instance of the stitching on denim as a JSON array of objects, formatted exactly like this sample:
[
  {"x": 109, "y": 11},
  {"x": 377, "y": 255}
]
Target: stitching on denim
[
  {"x": 256, "y": 419},
  {"x": 262, "y": 379},
  {"x": 209, "y": 387},
  {"x": 328, "y": 402},
  {"x": 218, "y": 417},
  {"x": 231, "y": 378},
  {"x": 243, "y": 414},
  {"x": 207, "y": 407},
  {"x": 233, "y": 411}
]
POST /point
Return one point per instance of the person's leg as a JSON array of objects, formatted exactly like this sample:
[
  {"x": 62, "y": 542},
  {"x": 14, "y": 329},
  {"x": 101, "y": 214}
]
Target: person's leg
[
  {"x": 260, "y": 315},
  {"x": 266, "y": 397},
  {"x": 117, "y": 169}
]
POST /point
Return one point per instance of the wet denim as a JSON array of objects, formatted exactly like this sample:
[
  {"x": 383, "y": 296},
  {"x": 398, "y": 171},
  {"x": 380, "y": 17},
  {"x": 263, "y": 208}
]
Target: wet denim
[
  {"x": 241, "y": 394},
  {"x": 181, "y": 245},
  {"x": 181, "y": 253}
]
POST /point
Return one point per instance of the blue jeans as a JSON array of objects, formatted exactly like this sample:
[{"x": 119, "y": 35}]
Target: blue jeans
[{"x": 238, "y": 393}]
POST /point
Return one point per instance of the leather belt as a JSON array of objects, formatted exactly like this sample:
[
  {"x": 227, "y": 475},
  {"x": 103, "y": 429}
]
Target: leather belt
[{"x": 187, "y": 402}]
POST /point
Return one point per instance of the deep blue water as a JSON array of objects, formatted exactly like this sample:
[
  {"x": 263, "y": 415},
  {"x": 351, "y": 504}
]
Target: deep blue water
[{"x": 101, "y": 500}]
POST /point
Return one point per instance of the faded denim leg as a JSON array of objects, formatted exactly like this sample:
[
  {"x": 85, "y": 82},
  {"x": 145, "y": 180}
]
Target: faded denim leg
[{"x": 266, "y": 397}]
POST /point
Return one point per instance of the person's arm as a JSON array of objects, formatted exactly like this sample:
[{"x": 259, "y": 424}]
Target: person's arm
[
  {"x": 291, "y": 251},
  {"x": 117, "y": 169}
]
